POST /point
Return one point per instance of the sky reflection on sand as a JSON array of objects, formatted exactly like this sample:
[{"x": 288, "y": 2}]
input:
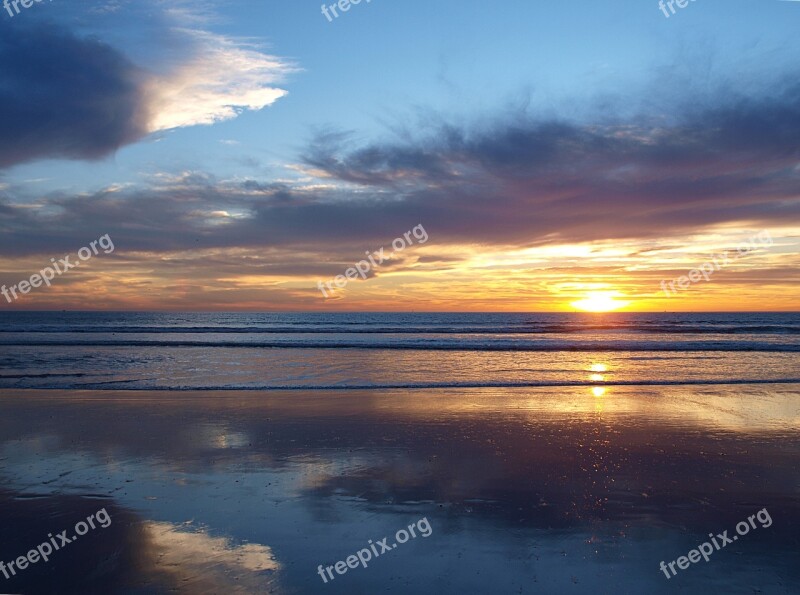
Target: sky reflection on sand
[{"x": 538, "y": 490}]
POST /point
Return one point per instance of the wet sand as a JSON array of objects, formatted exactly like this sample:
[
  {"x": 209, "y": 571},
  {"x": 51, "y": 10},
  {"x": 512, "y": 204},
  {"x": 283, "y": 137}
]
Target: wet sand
[{"x": 545, "y": 490}]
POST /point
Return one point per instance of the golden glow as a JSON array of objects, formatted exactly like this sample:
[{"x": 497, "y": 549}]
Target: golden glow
[
  {"x": 600, "y": 301},
  {"x": 598, "y": 391},
  {"x": 593, "y": 277}
]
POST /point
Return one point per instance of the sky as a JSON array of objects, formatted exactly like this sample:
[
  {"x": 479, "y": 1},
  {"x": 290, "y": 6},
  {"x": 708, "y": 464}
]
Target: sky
[{"x": 246, "y": 155}]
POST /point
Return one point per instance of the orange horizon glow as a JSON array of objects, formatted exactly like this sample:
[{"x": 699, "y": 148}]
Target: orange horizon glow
[{"x": 593, "y": 278}]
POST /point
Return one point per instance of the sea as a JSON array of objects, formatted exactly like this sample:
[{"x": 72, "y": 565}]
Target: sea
[
  {"x": 541, "y": 453},
  {"x": 342, "y": 351}
]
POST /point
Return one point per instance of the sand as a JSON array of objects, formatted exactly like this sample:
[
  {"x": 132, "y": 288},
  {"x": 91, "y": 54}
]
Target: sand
[{"x": 567, "y": 490}]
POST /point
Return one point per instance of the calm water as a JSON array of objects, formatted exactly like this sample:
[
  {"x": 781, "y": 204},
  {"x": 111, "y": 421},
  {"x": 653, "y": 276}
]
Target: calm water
[
  {"x": 546, "y": 453},
  {"x": 259, "y": 351}
]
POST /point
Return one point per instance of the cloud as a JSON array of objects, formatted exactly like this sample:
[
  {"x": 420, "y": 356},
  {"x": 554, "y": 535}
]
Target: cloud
[
  {"x": 63, "y": 96},
  {"x": 222, "y": 78},
  {"x": 513, "y": 180},
  {"x": 523, "y": 179},
  {"x": 72, "y": 97}
]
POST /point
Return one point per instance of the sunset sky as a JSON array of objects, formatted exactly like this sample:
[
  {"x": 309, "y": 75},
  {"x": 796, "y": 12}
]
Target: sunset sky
[{"x": 239, "y": 152}]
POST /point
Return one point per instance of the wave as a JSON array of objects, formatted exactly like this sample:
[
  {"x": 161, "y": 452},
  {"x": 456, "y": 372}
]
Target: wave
[
  {"x": 352, "y": 328},
  {"x": 422, "y": 385},
  {"x": 435, "y": 345}
]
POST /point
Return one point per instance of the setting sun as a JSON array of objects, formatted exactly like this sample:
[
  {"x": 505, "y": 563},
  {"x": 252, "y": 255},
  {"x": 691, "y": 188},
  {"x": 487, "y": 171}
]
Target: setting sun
[{"x": 600, "y": 301}]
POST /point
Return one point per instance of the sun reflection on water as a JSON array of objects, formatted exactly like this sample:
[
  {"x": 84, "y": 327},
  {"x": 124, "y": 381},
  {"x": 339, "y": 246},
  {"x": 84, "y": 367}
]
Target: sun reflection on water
[{"x": 598, "y": 391}]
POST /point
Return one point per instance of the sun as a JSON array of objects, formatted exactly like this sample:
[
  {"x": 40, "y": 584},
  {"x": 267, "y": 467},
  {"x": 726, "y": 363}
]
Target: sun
[{"x": 600, "y": 301}]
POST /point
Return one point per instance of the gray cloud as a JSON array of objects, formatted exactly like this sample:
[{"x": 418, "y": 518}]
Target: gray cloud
[
  {"x": 515, "y": 180},
  {"x": 68, "y": 96},
  {"x": 63, "y": 96}
]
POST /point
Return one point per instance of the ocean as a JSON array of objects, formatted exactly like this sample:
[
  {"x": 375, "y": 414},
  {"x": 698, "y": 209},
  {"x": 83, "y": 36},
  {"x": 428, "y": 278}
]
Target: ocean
[{"x": 226, "y": 351}]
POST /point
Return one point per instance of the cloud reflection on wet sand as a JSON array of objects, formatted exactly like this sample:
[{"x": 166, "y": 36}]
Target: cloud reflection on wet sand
[{"x": 552, "y": 489}]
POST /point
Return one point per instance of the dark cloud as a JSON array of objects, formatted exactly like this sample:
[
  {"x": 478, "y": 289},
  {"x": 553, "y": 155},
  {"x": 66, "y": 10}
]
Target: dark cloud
[
  {"x": 66, "y": 97},
  {"x": 515, "y": 180}
]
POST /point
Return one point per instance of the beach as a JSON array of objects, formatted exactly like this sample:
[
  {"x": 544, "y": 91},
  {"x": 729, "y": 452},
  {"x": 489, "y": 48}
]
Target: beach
[
  {"x": 362, "y": 453},
  {"x": 526, "y": 490}
]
